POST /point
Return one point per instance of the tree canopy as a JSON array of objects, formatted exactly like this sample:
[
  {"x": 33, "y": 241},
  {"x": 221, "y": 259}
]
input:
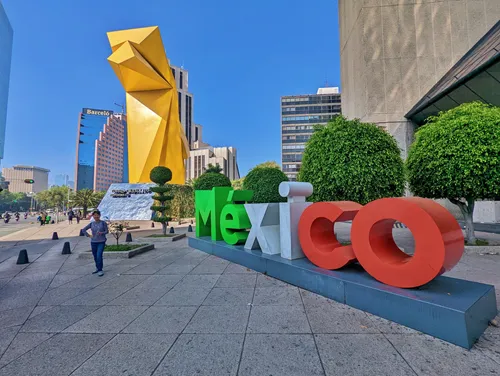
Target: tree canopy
[
  {"x": 208, "y": 180},
  {"x": 456, "y": 155},
  {"x": 348, "y": 160},
  {"x": 86, "y": 198},
  {"x": 264, "y": 182},
  {"x": 211, "y": 168},
  {"x": 272, "y": 164}
]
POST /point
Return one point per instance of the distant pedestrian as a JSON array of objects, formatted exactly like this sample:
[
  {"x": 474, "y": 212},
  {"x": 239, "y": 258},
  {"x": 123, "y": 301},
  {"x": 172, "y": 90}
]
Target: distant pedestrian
[
  {"x": 99, "y": 230},
  {"x": 78, "y": 215},
  {"x": 43, "y": 217},
  {"x": 71, "y": 214}
]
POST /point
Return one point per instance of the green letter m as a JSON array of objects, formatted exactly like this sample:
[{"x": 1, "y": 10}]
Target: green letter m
[{"x": 209, "y": 205}]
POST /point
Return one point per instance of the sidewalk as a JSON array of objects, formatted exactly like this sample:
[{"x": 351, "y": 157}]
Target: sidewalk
[{"x": 178, "y": 311}]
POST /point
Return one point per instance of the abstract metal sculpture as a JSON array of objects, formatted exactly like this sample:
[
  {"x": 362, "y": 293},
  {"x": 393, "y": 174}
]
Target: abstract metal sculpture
[{"x": 155, "y": 134}]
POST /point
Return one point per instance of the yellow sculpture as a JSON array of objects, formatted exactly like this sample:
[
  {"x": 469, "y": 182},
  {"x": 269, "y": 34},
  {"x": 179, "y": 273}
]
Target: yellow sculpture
[{"x": 155, "y": 134}]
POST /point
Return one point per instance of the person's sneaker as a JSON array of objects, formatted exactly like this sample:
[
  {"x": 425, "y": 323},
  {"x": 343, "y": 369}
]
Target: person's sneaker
[
  {"x": 95, "y": 271},
  {"x": 100, "y": 273}
]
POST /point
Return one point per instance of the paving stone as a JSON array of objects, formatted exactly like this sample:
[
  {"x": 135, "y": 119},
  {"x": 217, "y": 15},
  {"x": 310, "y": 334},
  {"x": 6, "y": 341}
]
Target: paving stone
[
  {"x": 13, "y": 317},
  {"x": 128, "y": 354},
  {"x": 209, "y": 267},
  {"x": 181, "y": 269},
  {"x": 311, "y": 299},
  {"x": 150, "y": 267},
  {"x": 39, "y": 309},
  {"x": 21, "y": 344},
  {"x": 62, "y": 279},
  {"x": 219, "y": 319},
  {"x": 278, "y": 319},
  {"x": 238, "y": 269},
  {"x": 59, "y": 355},
  {"x": 386, "y": 326},
  {"x": 4, "y": 281},
  {"x": 184, "y": 296},
  {"x": 60, "y": 295},
  {"x": 266, "y": 281},
  {"x": 6, "y": 337},
  {"x": 107, "y": 291},
  {"x": 277, "y": 296},
  {"x": 203, "y": 280},
  {"x": 149, "y": 291},
  {"x": 280, "y": 355},
  {"x": 225, "y": 296},
  {"x": 489, "y": 344},
  {"x": 360, "y": 354},
  {"x": 57, "y": 319},
  {"x": 430, "y": 356},
  {"x": 21, "y": 295},
  {"x": 339, "y": 318},
  {"x": 88, "y": 281},
  {"x": 237, "y": 280},
  {"x": 202, "y": 354},
  {"x": 107, "y": 319},
  {"x": 160, "y": 319}
]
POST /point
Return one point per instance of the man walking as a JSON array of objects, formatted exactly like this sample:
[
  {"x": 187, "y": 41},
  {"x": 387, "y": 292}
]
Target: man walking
[{"x": 99, "y": 230}]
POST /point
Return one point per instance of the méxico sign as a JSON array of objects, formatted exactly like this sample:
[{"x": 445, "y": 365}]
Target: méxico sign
[{"x": 298, "y": 229}]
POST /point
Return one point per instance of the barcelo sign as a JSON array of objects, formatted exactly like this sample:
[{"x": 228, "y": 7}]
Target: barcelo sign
[{"x": 439, "y": 241}]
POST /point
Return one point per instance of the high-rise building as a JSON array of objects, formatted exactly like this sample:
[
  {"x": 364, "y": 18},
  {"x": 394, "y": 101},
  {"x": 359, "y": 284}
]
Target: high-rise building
[
  {"x": 403, "y": 61},
  {"x": 6, "y": 37},
  {"x": 90, "y": 125},
  {"x": 61, "y": 180},
  {"x": 17, "y": 175},
  {"x": 111, "y": 157},
  {"x": 185, "y": 99},
  {"x": 203, "y": 154},
  {"x": 299, "y": 114}
]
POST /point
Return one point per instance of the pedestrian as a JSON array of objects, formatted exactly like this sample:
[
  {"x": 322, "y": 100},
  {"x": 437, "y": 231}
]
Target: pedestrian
[
  {"x": 71, "y": 214},
  {"x": 78, "y": 215},
  {"x": 99, "y": 230},
  {"x": 43, "y": 217}
]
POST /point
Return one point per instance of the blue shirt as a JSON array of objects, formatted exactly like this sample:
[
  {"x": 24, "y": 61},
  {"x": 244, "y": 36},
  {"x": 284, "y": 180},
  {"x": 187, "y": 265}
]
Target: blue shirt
[{"x": 96, "y": 227}]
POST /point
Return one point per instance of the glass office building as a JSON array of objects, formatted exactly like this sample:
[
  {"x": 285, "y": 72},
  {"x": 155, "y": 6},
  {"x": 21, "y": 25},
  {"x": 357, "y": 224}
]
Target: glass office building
[
  {"x": 90, "y": 125},
  {"x": 6, "y": 37},
  {"x": 299, "y": 114}
]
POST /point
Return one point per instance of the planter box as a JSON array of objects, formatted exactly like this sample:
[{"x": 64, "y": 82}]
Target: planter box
[
  {"x": 132, "y": 227},
  {"x": 115, "y": 255},
  {"x": 173, "y": 238}
]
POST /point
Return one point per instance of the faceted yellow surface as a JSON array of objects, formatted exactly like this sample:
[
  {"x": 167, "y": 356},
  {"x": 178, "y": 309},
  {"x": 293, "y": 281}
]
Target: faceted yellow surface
[{"x": 155, "y": 134}]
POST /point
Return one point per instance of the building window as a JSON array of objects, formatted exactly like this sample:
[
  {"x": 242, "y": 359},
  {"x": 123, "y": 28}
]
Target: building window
[
  {"x": 181, "y": 78},
  {"x": 179, "y": 99},
  {"x": 173, "y": 72}
]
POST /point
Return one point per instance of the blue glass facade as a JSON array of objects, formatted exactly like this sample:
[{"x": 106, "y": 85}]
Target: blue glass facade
[
  {"x": 6, "y": 36},
  {"x": 91, "y": 124}
]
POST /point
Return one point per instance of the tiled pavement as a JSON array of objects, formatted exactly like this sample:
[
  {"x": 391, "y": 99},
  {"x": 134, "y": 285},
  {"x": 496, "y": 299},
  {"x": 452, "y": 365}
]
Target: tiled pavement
[{"x": 177, "y": 311}]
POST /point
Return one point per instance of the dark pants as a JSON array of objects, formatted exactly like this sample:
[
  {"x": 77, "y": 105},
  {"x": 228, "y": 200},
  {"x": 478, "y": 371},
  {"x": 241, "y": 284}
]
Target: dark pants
[{"x": 97, "y": 250}]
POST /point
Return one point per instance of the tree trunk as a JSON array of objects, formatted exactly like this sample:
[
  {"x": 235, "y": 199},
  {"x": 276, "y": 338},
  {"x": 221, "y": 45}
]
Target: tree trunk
[
  {"x": 164, "y": 228},
  {"x": 467, "y": 209}
]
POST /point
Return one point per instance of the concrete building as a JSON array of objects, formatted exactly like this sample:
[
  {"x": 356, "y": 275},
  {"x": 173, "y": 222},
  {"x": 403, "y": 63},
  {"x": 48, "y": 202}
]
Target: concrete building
[
  {"x": 111, "y": 160},
  {"x": 185, "y": 99},
  {"x": 90, "y": 125},
  {"x": 6, "y": 37},
  {"x": 203, "y": 154},
  {"x": 16, "y": 175},
  {"x": 394, "y": 52},
  {"x": 299, "y": 114}
]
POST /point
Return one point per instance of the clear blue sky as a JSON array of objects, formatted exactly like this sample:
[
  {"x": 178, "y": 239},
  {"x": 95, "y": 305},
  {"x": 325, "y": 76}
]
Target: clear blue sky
[{"x": 241, "y": 56}]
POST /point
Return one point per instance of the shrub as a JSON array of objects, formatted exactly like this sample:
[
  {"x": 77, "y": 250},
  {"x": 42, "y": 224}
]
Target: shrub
[
  {"x": 455, "y": 156},
  {"x": 160, "y": 175},
  {"x": 264, "y": 182},
  {"x": 348, "y": 160},
  {"x": 208, "y": 180}
]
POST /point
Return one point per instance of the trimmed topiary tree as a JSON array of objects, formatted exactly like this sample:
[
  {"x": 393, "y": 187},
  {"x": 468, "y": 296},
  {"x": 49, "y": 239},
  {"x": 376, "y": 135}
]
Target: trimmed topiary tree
[
  {"x": 161, "y": 176},
  {"x": 264, "y": 182},
  {"x": 456, "y": 156},
  {"x": 348, "y": 160},
  {"x": 208, "y": 180}
]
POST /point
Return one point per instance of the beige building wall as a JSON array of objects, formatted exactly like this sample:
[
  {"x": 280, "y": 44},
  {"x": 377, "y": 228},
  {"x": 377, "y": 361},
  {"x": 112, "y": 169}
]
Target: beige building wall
[
  {"x": 16, "y": 175},
  {"x": 394, "y": 51}
]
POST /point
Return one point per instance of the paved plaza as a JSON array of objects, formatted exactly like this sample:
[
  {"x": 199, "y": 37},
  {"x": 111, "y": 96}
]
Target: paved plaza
[{"x": 178, "y": 311}]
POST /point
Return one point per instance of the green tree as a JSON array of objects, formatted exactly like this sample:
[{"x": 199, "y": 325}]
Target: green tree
[
  {"x": 211, "y": 168},
  {"x": 161, "y": 176},
  {"x": 208, "y": 180},
  {"x": 54, "y": 197},
  {"x": 182, "y": 204},
  {"x": 348, "y": 160},
  {"x": 238, "y": 183},
  {"x": 264, "y": 182},
  {"x": 272, "y": 164},
  {"x": 85, "y": 198},
  {"x": 99, "y": 195},
  {"x": 456, "y": 156}
]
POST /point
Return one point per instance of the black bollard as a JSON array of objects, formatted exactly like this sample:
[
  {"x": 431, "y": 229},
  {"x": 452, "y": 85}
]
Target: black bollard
[
  {"x": 54, "y": 236},
  {"x": 23, "y": 257},
  {"x": 192, "y": 222},
  {"x": 172, "y": 230},
  {"x": 66, "y": 249},
  {"x": 129, "y": 237},
  {"x": 82, "y": 233},
  {"x": 152, "y": 225},
  {"x": 190, "y": 228}
]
